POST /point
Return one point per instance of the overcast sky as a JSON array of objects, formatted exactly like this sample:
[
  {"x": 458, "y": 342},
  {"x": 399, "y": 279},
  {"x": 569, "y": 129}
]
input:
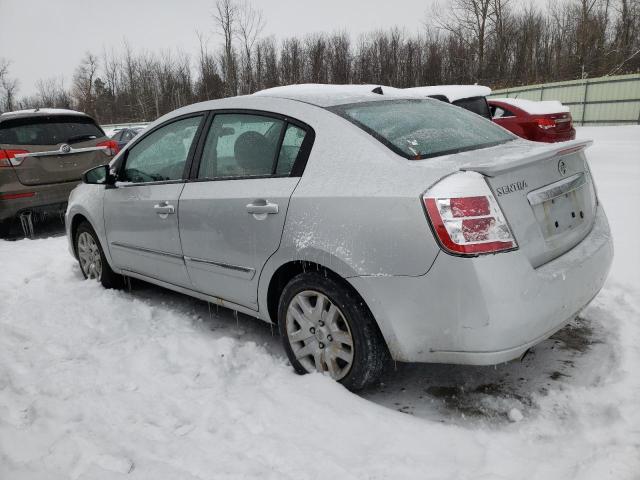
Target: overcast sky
[{"x": 47, "y": 38}]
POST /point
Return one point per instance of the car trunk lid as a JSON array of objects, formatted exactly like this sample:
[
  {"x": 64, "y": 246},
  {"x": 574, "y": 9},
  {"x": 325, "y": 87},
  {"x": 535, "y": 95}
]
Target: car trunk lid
[
  {"x": 48, "y": 149},
  {"x": 563, "y": 121},
  {"x": 546, "y": 193},
  {"x": 555, "y": 122},
  {"x": 43, "y": 165}
]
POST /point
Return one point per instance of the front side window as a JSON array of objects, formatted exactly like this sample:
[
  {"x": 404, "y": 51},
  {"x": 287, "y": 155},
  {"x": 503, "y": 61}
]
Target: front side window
[
  {"x": 418, "y": 129},
  {"x": 161, "y": 155},
  {"x": 241, "y": 145}
]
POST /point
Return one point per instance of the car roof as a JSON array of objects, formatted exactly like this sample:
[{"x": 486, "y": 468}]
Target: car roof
[
  {"x": 452, "y": 92},
  {"x": 331, "y": 95},
  {"x": 39, "y": 112}
]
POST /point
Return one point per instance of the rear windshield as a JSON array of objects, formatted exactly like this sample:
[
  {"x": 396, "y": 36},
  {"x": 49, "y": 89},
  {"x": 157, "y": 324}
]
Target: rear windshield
[
  {"x": 50, "y": 130},
  {"x": 418, "y": 129},
  {"x": 477, "y": 105}
]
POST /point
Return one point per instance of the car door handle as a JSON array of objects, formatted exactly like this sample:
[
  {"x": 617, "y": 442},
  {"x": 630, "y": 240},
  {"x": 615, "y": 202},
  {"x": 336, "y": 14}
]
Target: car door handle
[
  {"x": 164, "y": 208},
  {"x": 262, "y": 206}
]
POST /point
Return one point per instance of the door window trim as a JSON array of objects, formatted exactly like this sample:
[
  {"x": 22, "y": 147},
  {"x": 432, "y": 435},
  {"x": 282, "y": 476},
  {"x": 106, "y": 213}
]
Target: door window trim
[
  {"x": 298, "y": 166},
  {"x": 192, "y": 150}
]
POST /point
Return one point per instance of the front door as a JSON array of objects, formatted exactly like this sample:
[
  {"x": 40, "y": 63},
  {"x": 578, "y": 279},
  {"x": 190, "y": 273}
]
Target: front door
[
  {"x": 141, "y": 212},
  {"x": 232, "y": 216}
]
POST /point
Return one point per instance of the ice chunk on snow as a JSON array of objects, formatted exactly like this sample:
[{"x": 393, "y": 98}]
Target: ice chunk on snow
[{"x": 515, "y": 415}]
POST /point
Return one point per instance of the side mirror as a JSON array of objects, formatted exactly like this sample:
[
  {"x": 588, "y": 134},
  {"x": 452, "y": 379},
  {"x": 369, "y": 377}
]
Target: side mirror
[{"x": 99, "y": 176}]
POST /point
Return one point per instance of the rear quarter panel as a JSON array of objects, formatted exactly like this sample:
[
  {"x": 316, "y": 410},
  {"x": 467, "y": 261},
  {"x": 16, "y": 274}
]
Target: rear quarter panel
[{"x": 357, "y": 209}]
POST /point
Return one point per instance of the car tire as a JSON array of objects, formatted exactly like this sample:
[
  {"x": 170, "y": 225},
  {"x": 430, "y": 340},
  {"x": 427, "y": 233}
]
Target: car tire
[
  {"x": 86, "y": 242},
  {"x": 325, "y": 326}
]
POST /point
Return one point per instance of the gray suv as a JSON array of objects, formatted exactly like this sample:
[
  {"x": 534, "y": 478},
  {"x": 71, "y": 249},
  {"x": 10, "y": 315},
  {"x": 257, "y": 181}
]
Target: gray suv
[
  {"x": 43, "y": 153},
  {"x": 367, "y": 226}
]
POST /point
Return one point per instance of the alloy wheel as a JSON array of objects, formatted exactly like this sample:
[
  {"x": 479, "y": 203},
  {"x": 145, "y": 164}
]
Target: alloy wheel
[
  {"x": 319, "y": 335},
  {"x": 89, "y": 256}
]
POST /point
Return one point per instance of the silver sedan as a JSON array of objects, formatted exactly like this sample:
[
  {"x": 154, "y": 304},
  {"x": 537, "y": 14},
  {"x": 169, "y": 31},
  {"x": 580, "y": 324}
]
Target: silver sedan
[{"x": 368, "y": 225}]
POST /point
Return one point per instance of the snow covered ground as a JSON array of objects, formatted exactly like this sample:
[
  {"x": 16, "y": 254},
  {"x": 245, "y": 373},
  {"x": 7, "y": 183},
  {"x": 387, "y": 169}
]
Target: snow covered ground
[{"x": 149, "y": 384}]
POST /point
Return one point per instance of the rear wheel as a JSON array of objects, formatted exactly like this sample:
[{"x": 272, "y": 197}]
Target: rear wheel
[
  {"x": 93, "y": 263},
  {"x": 326, "y": 328}
]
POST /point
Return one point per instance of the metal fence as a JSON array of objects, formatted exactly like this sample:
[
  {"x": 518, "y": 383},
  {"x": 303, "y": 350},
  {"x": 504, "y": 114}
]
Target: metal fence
[{"x": 594, "y": 101}]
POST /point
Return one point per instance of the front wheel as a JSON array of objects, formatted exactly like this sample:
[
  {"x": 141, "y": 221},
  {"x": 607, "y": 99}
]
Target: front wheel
[
  {"x": 91, "y": 258},
  {"x": 326, "y": 328}
]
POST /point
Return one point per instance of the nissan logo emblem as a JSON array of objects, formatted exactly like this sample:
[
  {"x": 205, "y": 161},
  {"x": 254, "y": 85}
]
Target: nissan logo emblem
[
  {"x": 64, "y": 148},
  {"x": 562, "y": 168}
]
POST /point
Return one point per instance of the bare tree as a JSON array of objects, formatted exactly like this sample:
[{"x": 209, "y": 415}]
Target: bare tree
[
  {"x": 250, "y": 27},
  {"x": 468, "y": 20},
  {"x": 209, "y": 84},
  {"x": 316, "y": 54},
  {"x": 226, "y": 17},
  {"x": 84, "y": 83},
  {"x": 8, "y": 87},
  {"x": 339, "y": 58},
  {"x": 498, "y": 42}
]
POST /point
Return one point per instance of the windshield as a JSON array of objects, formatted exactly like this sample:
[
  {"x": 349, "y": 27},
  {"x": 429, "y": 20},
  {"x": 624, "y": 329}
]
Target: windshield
[
  {"x": 418, "y": 129},
  {"x": 47, "y": 130}
]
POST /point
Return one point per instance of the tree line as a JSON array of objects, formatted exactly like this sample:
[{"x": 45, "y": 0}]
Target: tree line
[{"x": 500, "y": 43}]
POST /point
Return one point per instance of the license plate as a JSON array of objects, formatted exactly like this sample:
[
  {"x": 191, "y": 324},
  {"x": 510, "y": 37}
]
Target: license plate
[{"x": 562, "y": 213}]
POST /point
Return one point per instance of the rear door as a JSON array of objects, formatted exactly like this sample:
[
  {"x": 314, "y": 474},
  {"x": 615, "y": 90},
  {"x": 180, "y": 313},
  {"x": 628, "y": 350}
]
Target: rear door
[
  {"x": 53, "y": 148},
  {"x": 232, "y": 215},
  {"x": 141, "y": 212}
]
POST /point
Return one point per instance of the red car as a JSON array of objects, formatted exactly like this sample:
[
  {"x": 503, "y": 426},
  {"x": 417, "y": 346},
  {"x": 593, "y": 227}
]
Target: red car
[{"x": 546, "y": 121}]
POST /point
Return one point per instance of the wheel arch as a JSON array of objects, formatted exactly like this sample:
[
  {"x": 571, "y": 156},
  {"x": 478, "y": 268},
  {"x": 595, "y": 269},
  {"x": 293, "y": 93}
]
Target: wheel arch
[
  {"x": 288, "y": 270},
  {"x": 76, "y": 220}
]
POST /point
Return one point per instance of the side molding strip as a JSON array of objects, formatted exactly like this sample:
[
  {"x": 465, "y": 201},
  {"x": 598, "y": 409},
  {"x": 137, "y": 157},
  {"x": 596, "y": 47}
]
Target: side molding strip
[
  {"x": 248, "y": 272},
  {"x": 146, "y": 250}
]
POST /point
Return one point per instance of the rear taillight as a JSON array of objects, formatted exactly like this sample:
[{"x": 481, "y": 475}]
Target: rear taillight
[
  {"x": 546, "y": 123},
  {"x": 8, "y": 158},
  {"x": 14, "y": 196},
  {"x": 112, "y": 147},
  {"x": 465, "y": 216}
]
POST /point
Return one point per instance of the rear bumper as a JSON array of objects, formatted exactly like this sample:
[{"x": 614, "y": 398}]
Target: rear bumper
[
  {"x": 46, "y": 198},
  {"x": 488, "y": 309}
]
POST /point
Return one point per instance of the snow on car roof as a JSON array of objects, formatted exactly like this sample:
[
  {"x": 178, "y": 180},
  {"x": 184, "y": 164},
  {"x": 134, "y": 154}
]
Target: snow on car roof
[
  {"x": 42, "y": 111},
  {"x": 452, "y": 92},
  {"x": 534, "y": 107},
  {"x": 327, "y": 95}
]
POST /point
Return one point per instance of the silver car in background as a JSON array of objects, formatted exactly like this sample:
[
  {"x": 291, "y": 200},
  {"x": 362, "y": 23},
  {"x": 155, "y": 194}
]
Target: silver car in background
[{"x": 368, "y": 226}]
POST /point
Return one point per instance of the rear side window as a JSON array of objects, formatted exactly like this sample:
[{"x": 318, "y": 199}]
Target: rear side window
[
  {"x": 499, "y": 112},
  {"x": 49, "y": 130},
  {"x": 477, "y": 105},
  {"x": 418, "y": 129},
  {"x": 290, "y": 149}
]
